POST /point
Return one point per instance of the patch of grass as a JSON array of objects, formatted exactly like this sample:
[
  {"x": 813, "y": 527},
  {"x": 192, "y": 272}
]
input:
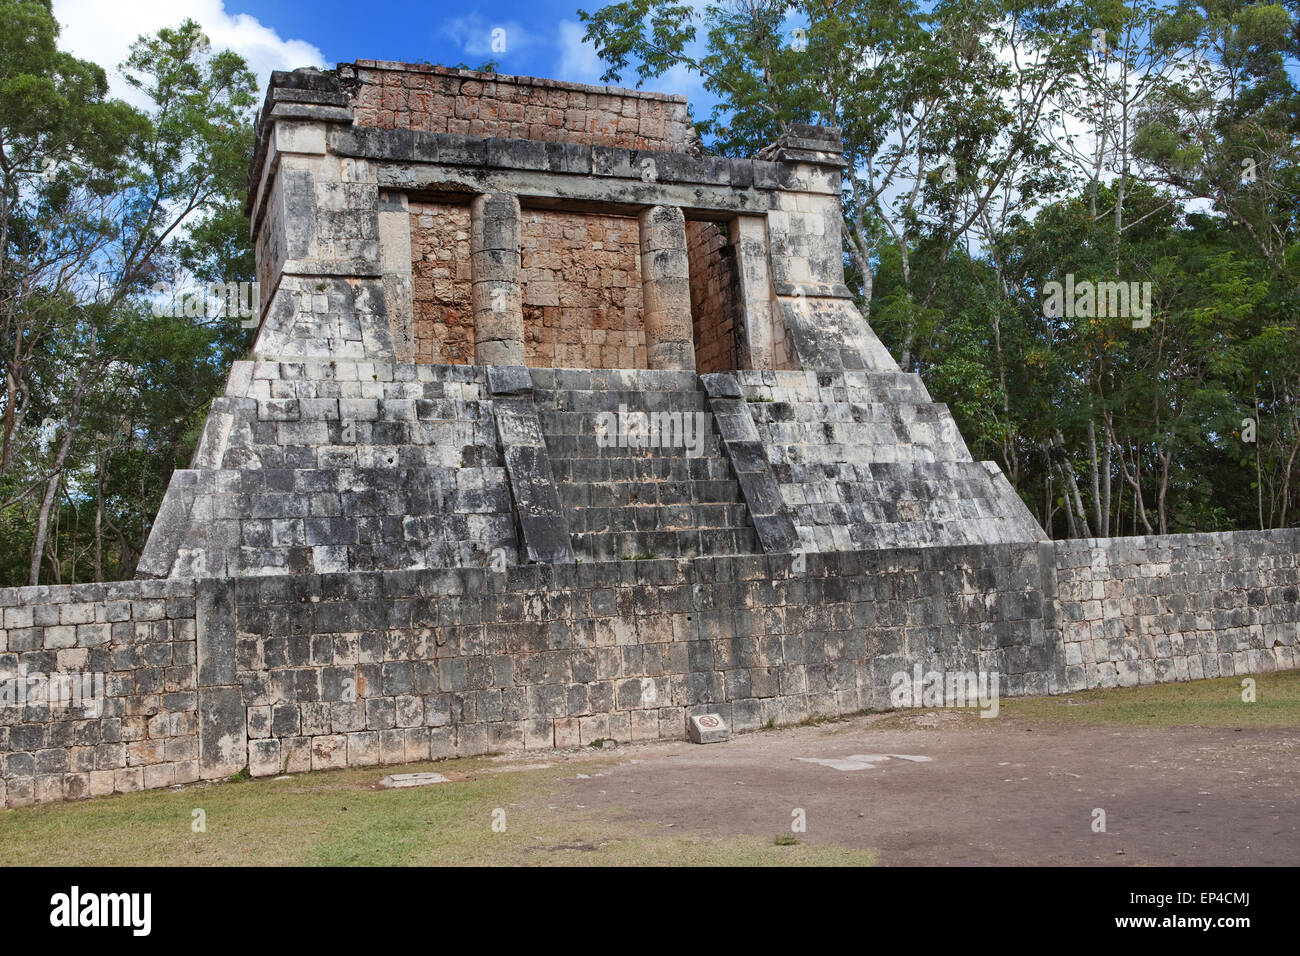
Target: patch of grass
[
  {"x": 771, "y": 724},
  {"x": 786, "y": 839},
  {"x": 343, "y": 818},
  {"x": 1200, "y": 703},
  {"x": 641, "y": 556}
]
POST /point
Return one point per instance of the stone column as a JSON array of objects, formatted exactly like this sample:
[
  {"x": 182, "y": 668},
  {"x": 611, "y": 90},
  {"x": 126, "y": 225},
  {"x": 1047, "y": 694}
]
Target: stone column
[
  {"x": 666, "y": 289},
  {"x": 395, "y": 264},
  {"x": 763, "y": 343},
  {"x": 498, "y": 296}
]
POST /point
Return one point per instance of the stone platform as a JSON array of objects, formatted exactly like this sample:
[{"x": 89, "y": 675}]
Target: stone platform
[{"x": 557, "y": 429}]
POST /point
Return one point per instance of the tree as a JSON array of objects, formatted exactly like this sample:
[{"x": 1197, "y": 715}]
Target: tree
[{"x": 98, "y": 201}]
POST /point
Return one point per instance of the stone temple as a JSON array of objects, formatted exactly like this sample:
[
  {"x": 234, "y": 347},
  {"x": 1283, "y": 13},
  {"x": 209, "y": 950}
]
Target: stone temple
[
  {"x": 463, "y": 271},
  {"x": 556, "y": 429}
]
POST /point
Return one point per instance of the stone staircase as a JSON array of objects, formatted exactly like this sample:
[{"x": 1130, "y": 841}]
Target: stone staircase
[
  {"x": 354, "y": 466},
  {"x": 866, "y": 460},
  {"x": 654, "y": 497}
]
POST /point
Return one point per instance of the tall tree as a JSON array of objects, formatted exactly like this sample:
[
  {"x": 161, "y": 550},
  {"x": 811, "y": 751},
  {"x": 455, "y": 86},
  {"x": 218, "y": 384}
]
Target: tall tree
[{"x": 98, "y": 202}]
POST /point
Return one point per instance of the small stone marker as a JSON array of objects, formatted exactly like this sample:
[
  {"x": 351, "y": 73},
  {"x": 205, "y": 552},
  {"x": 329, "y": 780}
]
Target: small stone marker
[
  {"x": 707, "y": 729},
  {"x": 397, "y": 781}
]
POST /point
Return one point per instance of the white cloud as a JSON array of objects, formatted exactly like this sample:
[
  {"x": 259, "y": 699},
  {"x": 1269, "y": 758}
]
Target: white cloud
[
  {"x": 578, "y": 61},
  {"x": 103, "y": 33},
  {"x": 487, "y": 39}
]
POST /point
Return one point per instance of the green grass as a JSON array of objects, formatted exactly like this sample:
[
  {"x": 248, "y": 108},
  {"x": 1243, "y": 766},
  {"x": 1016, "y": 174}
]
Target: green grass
[
  {"x": 1200, "y": 703},
  {"x": 342, "y": 818}
]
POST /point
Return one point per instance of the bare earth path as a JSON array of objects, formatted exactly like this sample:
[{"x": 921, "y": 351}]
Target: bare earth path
[{"x": 991, "y": 792}]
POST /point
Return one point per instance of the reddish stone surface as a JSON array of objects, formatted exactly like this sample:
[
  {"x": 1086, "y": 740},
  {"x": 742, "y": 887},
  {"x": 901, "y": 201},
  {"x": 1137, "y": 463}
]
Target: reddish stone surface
[
  {"x": 441, "y": 100},
  {"x": 441, "y": 283},
  {"x": 713, "y": 306},
  {"x": 582, "y": 291}
]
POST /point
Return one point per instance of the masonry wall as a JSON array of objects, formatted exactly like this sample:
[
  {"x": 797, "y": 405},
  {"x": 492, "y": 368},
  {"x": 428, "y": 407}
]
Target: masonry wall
[
  {"x": 1176, "y": 607},
  {"x": 140, "y": 637},
  {"x": 312, "y": 671},
  {"x": 360, "y": 670},
  {"x": 441, "y": 283},
  {"x": 334, "y": 467},
  {"x": 713, "y": 297},
  {"x": 441, "y": 100},
  {"x": 581, "y": 290}
]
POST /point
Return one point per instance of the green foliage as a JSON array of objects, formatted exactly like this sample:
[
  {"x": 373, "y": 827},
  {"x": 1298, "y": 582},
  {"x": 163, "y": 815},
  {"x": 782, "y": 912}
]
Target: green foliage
[{"x": 98, "y": 202}]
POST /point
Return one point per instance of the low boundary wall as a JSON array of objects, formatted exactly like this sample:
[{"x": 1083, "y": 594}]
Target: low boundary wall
[{"x": 200, "y": 679}]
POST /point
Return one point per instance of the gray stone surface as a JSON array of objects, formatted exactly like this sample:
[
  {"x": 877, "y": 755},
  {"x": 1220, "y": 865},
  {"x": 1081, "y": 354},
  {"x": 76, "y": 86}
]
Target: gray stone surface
[
  {"x": 371, "y": 561},
  {"x": 403, "y": 781},
  {"x": 707, "y": 729},
  {"x": 359, "y": 669}
]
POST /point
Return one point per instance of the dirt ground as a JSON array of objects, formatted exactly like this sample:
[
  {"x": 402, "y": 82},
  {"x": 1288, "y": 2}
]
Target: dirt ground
[{"x": 999, "y": 792}]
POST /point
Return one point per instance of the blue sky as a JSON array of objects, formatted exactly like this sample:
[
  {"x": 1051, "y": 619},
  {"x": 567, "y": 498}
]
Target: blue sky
[{"x": 542, "y": 37}]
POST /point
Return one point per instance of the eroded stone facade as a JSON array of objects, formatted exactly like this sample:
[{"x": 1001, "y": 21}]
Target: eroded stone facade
[
  {"x": 557, "y": 429},
  {"x": 436, "y": 99},
  {"x": 581, "y": 290},
  {"x": 441, "y": 283}
]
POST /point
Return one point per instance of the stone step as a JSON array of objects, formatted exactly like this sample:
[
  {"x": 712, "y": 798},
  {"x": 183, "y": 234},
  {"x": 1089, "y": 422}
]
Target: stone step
[
  {"x": 361, "y": 456},
  {"x": 277, "y": 410},
  {"x": 613, "y": 380},
  {"x": 846, "y": 412},
  {"x": 622, "y": 546},
  {"x": 882, "y": 386},
  {"x": 643, "y": 468},
  {"x": 887, "y": 480},
  {"x": 575, "y": 447},
  {"x": 351, "y": 379},
  {"x": 615, "y": 494},
  {"x": 881, "y": 452},
  {"x": 685, "y": 517},
  {"x": 595, "y": 402}
]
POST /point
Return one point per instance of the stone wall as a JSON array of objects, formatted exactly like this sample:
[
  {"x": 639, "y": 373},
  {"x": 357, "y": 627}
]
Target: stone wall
[
  {"x": 866, "y": 459},
  {"x": 365, "y": 669},
  {"x": 131, "y": 647},
  {"x": 713, "y": 297},
  {"x": 441, "y": 282},
  {"x": 311, "y": 671},
  {"x": 1177, "y": 607},
  {"x": 442, "y": 100},
  {"x": 582, "y": 302}
]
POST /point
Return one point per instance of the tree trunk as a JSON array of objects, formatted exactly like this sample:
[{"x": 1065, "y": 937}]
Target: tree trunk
[
  {"x": 56, "y": 472},
  {"x": 42, "y": 528},
  {"x": 1096, "y": 477}
]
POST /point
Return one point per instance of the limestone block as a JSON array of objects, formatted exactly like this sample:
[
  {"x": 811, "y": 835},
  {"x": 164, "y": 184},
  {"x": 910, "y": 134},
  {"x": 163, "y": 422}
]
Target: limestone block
[{"x": 707, "y": 729}]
